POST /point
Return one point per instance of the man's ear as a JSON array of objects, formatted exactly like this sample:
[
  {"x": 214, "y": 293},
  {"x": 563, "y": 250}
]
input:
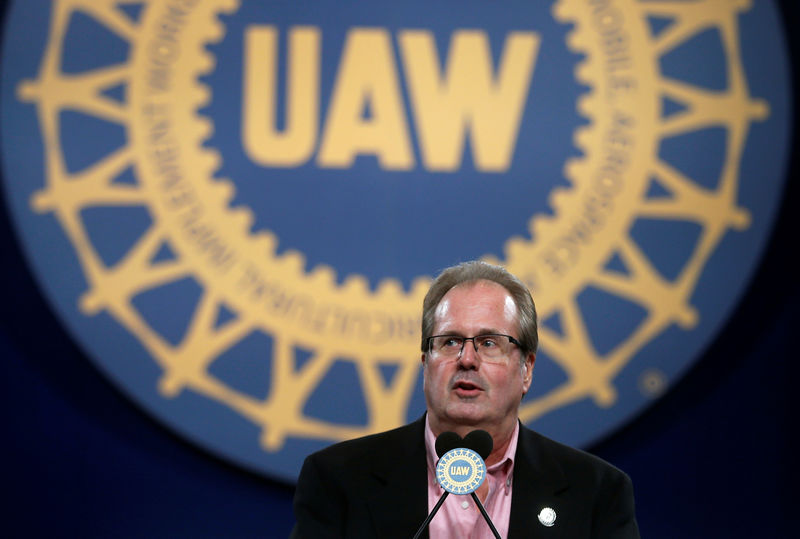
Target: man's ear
[{"x": 527, "y": 372}]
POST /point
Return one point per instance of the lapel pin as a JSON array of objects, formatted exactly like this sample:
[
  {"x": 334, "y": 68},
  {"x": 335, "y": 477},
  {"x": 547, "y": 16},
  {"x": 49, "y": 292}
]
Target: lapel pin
[{"x": 547, "y": 516}]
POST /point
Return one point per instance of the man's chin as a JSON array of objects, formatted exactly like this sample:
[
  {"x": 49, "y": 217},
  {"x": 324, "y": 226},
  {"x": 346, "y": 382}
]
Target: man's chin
[{"x": 466, "y": 413}]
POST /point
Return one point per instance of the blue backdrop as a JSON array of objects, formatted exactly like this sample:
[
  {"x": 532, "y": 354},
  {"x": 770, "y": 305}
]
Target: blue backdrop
[{"x": 713, "y": 458}]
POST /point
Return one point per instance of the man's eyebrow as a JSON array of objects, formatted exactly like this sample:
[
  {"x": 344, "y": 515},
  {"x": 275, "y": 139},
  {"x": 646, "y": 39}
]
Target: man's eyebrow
[
  {"x": 490, "y": 331},
  {"x": 483, "y": 331}
]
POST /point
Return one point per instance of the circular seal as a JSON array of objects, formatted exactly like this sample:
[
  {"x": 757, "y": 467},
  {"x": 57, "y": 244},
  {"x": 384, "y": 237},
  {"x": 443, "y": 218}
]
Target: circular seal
[
  {"x": 237, "y": 207},
  {"x": 460, "y": 471}
]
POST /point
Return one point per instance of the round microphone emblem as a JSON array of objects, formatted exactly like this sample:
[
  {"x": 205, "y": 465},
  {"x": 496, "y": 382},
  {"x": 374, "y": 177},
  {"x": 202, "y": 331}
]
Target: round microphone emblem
[{"x": 460, "y": 471}]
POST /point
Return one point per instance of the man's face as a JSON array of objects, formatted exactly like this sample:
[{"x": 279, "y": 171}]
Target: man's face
[{"x": 466, "y": 393}]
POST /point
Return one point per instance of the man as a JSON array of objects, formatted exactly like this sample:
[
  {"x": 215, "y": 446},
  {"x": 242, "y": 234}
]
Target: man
[{"x": 479, "y": 341}]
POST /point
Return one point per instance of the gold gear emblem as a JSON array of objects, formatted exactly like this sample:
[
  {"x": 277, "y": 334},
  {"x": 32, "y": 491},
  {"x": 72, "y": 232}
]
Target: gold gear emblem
[{"x": 240, "y": 273}]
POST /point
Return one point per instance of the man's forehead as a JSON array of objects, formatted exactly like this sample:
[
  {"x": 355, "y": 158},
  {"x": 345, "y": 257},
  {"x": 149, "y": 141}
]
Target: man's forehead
[{"x": 485, "y": 293}]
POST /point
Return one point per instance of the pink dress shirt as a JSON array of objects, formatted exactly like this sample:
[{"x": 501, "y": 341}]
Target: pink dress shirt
[{"x": 459, "y": 517}]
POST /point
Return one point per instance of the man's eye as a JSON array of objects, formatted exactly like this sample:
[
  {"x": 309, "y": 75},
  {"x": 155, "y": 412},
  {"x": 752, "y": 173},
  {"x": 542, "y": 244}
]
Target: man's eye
[
  {"x": 489, "y": 343},
  {"x": 451, "y": 343}
]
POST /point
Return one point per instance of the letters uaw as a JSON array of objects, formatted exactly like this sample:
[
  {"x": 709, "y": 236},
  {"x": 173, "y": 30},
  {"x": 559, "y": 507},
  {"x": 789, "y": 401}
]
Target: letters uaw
[{"x": 479, "y": 342}]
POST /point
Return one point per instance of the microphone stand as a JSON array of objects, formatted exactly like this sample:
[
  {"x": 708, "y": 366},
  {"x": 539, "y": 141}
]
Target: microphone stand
[
  {"x": 430, "y": 517},
  {"x": 485, "y": 514},
  {"x": 439, "y": 504}
]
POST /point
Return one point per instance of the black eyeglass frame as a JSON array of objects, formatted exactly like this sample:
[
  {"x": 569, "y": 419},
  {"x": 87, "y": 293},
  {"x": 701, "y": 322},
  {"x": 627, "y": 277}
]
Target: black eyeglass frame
[{"x": 464, "y": 340}]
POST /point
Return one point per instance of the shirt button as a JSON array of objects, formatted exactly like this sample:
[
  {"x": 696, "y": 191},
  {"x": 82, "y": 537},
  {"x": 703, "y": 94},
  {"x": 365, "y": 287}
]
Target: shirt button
[{"x": 464, "y": 504}]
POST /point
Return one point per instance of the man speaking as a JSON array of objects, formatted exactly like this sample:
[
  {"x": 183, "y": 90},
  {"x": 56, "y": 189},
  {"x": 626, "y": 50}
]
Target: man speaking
[{"x": 479, "y": 341}]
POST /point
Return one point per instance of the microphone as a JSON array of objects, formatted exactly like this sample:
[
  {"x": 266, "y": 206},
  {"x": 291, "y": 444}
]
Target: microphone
[
  {"x": 461, "y": 471},
  {"x": 479, "y": 441},
  {"x": 447, "y": 441}
]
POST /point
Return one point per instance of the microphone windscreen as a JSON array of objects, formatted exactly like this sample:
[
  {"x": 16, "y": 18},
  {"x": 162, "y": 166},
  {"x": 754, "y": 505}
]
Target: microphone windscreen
[
  {"x": 479, "y": 441},
  {"x": 447, "y": 441}
]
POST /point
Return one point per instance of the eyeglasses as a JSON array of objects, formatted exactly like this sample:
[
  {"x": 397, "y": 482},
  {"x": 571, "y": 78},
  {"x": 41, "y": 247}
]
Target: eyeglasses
[{"x": 491, "y": 348}]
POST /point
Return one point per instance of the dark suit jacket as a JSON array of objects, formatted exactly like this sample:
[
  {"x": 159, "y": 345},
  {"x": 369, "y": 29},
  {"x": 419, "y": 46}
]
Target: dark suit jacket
[{"x": 376, "y": 486}]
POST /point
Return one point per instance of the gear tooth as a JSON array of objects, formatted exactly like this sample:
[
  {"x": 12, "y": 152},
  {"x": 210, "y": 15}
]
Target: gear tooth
[
  {"x": 293, "y": 261},
  {"x": 212, "y": 161},
  {"x": 390, "y": 287},
  {"x": 539, "y": 225},
  {"x": 564, "y": 12},
  {"x": 243, "y": 218},
  {"x": 560, "y": 11},
  {"x": 559, "y": 198},
  {"x": 575, "y": 42},
  {"x": 514, "y": 247},
  {"x": 216, "y": 32},
  {"x": 574, "y": 168},
  {"x": 324, "y": 275},
  {"x": 204, "y": 128},
  {"x": 202, "y": 96},
  {"x": 583, "y": 136},
  {"x": 586, "y": 105},
  {"x": 582, "y": 139},
  {"x": 589, "y": 101},
  {"x": 224, "y": 189},
  {"x": 227, "y": 6},
  {"x": 420, "y": 285},
  {"x": 571, "y": 9},
  {"x": 356, "y": 284},
  {"x": 206, "y": 64},
  {"x": 265, "y": 242},
  {"x": 585, "y": 73}
]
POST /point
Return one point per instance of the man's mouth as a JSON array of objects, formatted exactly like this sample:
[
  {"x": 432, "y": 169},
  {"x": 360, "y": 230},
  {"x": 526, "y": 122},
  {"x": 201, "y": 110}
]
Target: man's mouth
[{"x": 466, "y": 388}]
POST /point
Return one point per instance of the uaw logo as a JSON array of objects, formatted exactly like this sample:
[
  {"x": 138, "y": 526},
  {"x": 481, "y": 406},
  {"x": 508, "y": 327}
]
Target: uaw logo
[
  {"x": 236, "y": 207},
  {"x": 460, "y": 471}
]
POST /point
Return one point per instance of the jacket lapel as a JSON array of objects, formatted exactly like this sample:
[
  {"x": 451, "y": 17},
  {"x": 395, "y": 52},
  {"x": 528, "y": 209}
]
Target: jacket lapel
[
  {"x": 538, "y": 482},
  {"x": 398, "y": 494}
]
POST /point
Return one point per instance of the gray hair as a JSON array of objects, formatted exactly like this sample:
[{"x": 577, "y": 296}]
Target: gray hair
[{"x": 472, "y": 272}]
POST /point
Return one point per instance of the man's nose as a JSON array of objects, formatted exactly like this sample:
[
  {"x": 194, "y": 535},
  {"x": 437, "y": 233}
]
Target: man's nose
[{"x": 469, "y": 357}]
